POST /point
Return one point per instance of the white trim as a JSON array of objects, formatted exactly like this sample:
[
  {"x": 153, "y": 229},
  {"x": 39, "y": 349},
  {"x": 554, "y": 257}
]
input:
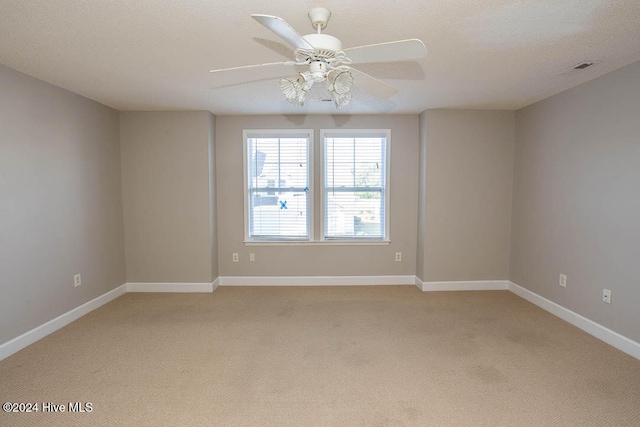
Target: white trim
[
  {"x": 610, "y": 337},
  {"x": 312, "y": 185},
  {"x": 16, "y": 344},
  {"x": 170, "y": 287},
  {"x": 475, "y": 285},
  {"x": 215, "y": 284},
  {"x": 315, "y": 280},
  {"x": 318, "y": 243}
]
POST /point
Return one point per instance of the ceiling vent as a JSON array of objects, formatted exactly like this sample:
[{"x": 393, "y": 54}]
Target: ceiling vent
[
  {"x": 583, "y": 65},
  {"x": 579, "y": 67}
]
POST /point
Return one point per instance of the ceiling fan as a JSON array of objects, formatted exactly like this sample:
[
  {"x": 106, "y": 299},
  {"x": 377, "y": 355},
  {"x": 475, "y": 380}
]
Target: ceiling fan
[{"x": 325, "y": 60}]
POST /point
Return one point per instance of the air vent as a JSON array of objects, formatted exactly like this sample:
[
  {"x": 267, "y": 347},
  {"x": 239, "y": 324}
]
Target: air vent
[
  {"x": 579, "y": 67},
  {"x": 583, "y": 65}
]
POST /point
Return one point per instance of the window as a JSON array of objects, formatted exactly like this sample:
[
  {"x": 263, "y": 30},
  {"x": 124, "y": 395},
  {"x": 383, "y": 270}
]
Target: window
[
  {"x": 353, "y": 194},
  {"x": 278, "y": 184},
  {"x": 355, "y": 180}
]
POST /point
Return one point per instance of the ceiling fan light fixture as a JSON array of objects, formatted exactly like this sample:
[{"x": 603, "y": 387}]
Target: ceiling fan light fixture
[
  {"x": 295, "y": 88},
  {"x": 339, "y": 82},
  {"x": 318, "y": 70},
  {"x": 341, "y": 99}
]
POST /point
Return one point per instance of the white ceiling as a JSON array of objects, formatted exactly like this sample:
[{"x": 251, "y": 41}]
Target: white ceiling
[{"x": 155, "y": 55}]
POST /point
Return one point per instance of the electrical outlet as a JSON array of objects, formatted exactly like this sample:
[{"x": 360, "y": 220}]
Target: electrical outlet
[
  {"x": 563, "y": 281},
  {"x": 398, "y": 256},
  {"x": 252, "y": 257},
  {"x": 236, "y": 258},
  {"x": 606, "y": 296},
  {"x": 77, "y": 280}
]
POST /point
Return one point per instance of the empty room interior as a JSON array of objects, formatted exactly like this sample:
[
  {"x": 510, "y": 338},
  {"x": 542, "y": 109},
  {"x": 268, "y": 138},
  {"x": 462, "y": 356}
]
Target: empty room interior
[{"x": 299, "y": 213}]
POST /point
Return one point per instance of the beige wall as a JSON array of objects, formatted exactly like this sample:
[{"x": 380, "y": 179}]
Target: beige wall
[
  {"x": 468, "y": 158},
  {"x": 213, "y": 217},
  {"x": 60, "y": 202},
  {"x": 167, "y": 191},
  {"x": 422, "y": 194},
  {"x": 318, "y": 260},
  {"x": 576, "y": 207}
]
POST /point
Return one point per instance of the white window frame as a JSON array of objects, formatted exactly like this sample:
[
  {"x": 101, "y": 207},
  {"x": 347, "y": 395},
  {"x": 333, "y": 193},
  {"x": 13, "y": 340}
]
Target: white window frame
[
  {"x": 275, "y": 133},
  {"x": 351, "y": 133}
]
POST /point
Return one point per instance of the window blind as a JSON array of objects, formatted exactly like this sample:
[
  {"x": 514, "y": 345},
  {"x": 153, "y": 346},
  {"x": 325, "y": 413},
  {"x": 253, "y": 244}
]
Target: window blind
[
  {"x": 278, "y": 186},
  {"x": 355, "y": 193}
]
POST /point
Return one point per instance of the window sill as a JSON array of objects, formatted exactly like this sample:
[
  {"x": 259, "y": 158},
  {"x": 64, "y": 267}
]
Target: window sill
[{"x": 316, "y": 243}]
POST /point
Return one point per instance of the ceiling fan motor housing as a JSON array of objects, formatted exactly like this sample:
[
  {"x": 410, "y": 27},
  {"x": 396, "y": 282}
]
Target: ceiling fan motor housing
[{"x": 324, "y": 44}]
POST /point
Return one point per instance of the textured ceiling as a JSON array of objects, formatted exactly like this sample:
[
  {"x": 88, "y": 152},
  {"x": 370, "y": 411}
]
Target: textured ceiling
[{"x": 155, "y": 55}]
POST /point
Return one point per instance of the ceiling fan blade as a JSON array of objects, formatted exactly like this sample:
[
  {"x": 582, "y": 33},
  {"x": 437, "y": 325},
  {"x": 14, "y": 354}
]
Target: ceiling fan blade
[
  {"x": 267, "y": 64},
  {"x": 249, "y": 73},
  {"x": 372, "y": 85},
  {"x": 401, "y": 50},
  {"x": 284, "y": 30}
]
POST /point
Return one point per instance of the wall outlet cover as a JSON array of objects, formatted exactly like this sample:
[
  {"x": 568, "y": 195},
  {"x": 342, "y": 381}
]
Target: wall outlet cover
[{"x": 563, "y": 281}]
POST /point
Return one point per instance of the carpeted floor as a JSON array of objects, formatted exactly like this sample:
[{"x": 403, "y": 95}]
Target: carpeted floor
[{"x": 325, "y": 356}]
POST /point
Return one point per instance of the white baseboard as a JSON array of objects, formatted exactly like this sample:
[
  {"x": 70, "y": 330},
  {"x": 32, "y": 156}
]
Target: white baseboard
[
  {"x": 612, "y": 338},
  {"x": 15, "y": 345},
  {"x": 475, "y": 285},
  {"x": 215, "y": 284},
  {"x": 170, "y": 287},
  {"x": 315, "y": 280}
]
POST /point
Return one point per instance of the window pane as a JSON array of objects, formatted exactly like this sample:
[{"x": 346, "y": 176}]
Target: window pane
[
  {"x": 340, "y": 162},
  {"x": 351, "y": 214},
  {"x": 279, "y": 214},
  {"x": 368, "y": 174}
]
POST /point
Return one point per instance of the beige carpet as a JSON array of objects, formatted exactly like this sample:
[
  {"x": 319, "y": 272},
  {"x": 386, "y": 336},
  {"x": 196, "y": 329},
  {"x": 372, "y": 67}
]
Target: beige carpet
[{"x": 326, "y": 356}]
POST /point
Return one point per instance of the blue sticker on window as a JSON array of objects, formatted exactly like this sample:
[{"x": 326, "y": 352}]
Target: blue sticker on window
[{"x": 283, "y": 204}]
